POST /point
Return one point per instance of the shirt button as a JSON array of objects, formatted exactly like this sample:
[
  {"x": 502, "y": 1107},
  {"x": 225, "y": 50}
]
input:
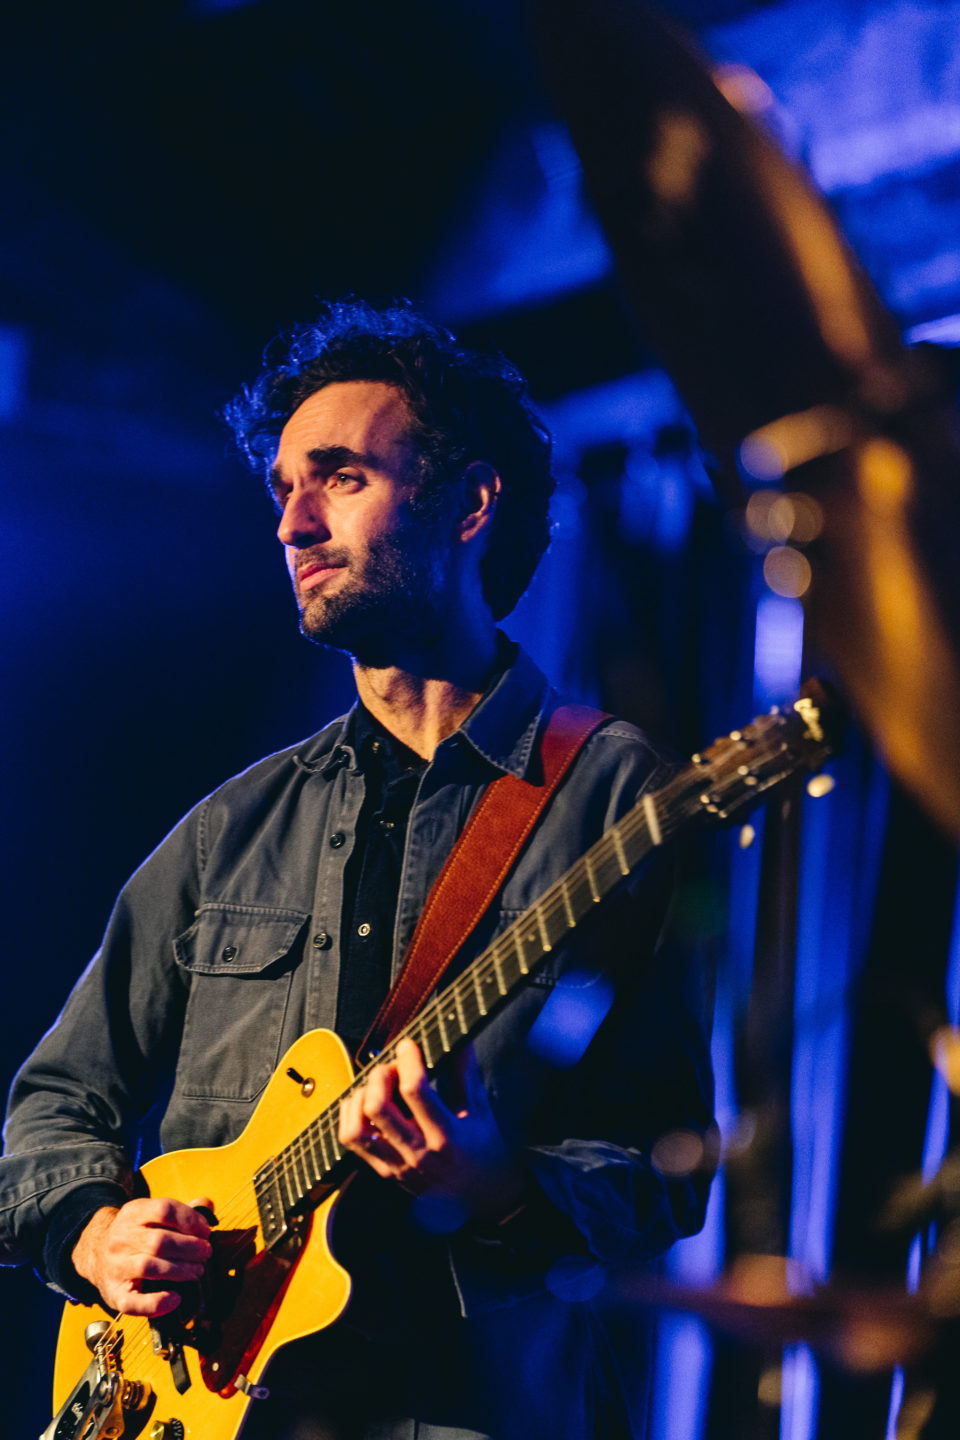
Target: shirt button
[
  {"x": 228, "y": 952},
  {"x": 321, "y": 940},
  {"x": 337, "y": 839},
  {"x": 363, "y": 930}
]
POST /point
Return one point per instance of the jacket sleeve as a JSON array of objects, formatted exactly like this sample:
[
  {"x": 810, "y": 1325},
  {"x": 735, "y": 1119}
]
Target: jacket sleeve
[
  {"x": 632, "y": 1173},
  {"x": 77, "y": 1104}
]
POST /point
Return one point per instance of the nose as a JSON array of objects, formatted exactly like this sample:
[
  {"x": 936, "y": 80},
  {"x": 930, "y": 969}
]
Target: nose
[{"x": 302, "y": 523}]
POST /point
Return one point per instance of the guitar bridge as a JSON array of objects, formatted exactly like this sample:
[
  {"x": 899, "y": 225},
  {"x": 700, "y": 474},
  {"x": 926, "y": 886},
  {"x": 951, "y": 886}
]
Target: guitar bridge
[{"x": 99, "y": 1406}]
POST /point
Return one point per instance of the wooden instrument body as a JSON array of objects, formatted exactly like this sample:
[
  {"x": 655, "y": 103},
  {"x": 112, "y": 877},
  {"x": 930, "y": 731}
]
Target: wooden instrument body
[{"x": 316, "y": 1292}]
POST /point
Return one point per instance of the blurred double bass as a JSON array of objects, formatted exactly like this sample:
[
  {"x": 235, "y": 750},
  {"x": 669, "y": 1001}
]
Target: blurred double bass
[{"x": 788, "y": 363}]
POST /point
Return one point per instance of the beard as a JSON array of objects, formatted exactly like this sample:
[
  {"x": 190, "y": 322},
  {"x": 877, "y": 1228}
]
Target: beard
[{"x": 392, "y": 598}]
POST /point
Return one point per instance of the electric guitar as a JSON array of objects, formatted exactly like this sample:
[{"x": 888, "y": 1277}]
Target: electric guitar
[{"x": 273, "y": 1277}]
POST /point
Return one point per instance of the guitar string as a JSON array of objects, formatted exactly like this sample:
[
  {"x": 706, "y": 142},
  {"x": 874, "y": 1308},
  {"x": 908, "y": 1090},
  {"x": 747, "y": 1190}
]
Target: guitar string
[
  {"x": 300, "y": 1158},
  {"x": 552, "y": 905},
  {"x": 488, "y": 967}
]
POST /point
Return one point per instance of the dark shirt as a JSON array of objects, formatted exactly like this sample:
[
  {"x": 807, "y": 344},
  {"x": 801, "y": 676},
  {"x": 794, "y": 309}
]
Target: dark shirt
[{"x": 372, "y": 883}]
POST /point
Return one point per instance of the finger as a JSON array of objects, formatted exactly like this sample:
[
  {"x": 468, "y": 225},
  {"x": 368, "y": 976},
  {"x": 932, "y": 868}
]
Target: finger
[
  {"x": 383, "y": 1117},
  {"x": 402, "y": 1136},
  {"x": 359, "y": 1135},
  {"x": 351, "y": 1116},
  {"x": 155, "y": 1267},
  {"x": 151, "y": 1303},
  {"x": 353, "y": 1124},
  {"x": 167, "y": 1214},
  {"x": 170, "y": 1245},
  {"x": 428, "y": 1110},
  {"x": 206, "y": 1208},
  {"x": 133, "y": 1235},
  {"x": 379, "y": 1092}
]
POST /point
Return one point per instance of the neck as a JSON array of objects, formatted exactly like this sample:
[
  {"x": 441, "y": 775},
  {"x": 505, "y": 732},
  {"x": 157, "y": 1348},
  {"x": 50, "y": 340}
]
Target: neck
[{"x": 423, "y": 698}]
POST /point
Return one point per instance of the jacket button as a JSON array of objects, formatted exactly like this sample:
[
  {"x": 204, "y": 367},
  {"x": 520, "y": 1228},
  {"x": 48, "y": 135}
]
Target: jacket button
[
  {"x": 228, "y": 952},
  {"x": 337, "y": 839},
  {"x": 321, "y": 940}
]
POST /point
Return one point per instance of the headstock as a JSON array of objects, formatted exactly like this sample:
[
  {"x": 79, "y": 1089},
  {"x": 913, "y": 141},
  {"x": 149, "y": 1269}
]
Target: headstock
[{"x": 737, "y": 769}]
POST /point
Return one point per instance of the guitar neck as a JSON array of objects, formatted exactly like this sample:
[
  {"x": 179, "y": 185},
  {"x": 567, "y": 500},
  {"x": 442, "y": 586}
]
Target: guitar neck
[
  {"x": 305, "y": 1170},
  {"x": 715, "y": 786}
]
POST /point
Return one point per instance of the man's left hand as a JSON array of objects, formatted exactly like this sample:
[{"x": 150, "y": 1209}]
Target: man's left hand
[{"x": 398, "y": 1124}]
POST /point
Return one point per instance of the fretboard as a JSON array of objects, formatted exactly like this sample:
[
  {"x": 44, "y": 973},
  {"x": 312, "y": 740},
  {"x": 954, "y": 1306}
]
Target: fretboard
[
  {"x": 314, "y": 1161},
  {"x": 727, "y": 779}
]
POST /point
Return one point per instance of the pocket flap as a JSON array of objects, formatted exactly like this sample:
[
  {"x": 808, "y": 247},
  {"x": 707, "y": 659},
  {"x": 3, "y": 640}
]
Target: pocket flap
[{"x": 237, "y": 939}]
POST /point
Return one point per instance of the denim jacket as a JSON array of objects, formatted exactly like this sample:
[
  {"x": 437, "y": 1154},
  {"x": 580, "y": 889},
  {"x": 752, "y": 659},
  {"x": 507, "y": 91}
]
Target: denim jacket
[{"x": 224, "y": 947}]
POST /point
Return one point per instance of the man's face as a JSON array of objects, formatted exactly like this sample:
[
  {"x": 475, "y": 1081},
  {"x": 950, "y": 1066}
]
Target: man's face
[{"x": 368, "y": 574}]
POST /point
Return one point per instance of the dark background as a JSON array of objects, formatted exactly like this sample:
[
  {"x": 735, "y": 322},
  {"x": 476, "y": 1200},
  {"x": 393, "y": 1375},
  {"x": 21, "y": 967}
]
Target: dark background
[{"x": 180, "y": 181}]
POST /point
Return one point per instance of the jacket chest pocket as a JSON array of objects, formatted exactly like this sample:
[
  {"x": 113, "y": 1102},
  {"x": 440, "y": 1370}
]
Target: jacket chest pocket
[{"x": 238, "y": 962}]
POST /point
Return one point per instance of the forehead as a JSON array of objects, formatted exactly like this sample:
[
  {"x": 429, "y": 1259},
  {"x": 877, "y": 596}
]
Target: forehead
[{"x": 367, "y": 417}]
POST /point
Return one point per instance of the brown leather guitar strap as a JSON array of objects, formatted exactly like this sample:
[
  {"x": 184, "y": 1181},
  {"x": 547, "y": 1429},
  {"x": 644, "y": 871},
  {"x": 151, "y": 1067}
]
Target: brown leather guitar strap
[{"x": 475, "y": 869}]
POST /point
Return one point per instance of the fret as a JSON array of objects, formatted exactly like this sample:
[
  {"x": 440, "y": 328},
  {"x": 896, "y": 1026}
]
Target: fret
[
  {"x": 554, "y": 916},
  {"x": 430, "y": 1057},
  {"x": 653, "y": 820},
  {"x": 458, "y": 1002},
  {"x": 621, "y": 853},
  {"x": 481, "y": 1003},
  {"x": 581, "y": 895},
  {"x": 588, "y": 870},
  {"x": 568, "y": 908},
  {"x": 468, "y": 998},
  {"x": 498, "y": 972},
  {"x": 269, "y": 1203},
  {"x": 298, "y": 1170},
  {"x": 316, "y": 1160},
  {"x": 636, "y": 837},
  {"x": 521, "y": 958},
  {"x": 606, "y": 871},
  {"x": 444, "y": 1041},
  {"x": 544, "y": 937},
  {"x": 323, "y": 1149},
  {"x": 286, "y": 1189}
]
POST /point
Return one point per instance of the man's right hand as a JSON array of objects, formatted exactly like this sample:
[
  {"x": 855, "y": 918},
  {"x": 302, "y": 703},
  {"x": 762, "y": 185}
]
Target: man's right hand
[{"x": 146, "y": 1243}]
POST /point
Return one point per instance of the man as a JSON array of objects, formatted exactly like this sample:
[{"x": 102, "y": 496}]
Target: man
[{"x": 412, "y": 482}]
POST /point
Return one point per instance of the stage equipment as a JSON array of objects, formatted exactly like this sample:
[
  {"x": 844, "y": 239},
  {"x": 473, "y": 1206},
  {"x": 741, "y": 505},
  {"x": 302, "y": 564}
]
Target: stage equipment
[{"x": 788, "y": 362}]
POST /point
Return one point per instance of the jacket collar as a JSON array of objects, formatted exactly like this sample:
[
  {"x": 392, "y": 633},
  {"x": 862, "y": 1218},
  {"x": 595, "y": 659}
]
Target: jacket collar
[
  {"x": 504, "y": 726},
  {"x": 502, "y": 729}
]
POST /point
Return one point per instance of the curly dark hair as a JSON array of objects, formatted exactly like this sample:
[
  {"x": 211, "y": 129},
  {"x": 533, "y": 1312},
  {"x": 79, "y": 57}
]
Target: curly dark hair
[{"x": 464, "y": 406}]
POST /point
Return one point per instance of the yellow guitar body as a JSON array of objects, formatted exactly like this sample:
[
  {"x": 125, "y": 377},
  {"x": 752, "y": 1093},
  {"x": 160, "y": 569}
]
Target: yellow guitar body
[{"x": 314, "y": 1295}]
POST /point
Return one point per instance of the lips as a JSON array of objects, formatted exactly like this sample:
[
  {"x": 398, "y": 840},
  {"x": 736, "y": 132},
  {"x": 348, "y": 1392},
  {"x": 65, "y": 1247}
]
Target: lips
[{"x": 314, "y": 573}]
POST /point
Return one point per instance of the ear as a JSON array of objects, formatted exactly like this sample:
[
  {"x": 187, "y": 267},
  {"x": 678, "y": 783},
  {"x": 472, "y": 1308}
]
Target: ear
[{"x": 481, "y": 490}]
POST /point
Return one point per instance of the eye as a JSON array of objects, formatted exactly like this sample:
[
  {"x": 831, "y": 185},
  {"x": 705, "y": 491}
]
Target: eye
[{"x": 343, "y": 480}]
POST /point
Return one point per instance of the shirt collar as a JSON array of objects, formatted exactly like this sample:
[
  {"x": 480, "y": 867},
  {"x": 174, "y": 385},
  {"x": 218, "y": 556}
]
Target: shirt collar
[{"x": 502, "y": 729}]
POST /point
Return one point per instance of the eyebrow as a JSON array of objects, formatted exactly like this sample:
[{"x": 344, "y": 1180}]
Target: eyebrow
[{"x": 329, "y": 457}]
